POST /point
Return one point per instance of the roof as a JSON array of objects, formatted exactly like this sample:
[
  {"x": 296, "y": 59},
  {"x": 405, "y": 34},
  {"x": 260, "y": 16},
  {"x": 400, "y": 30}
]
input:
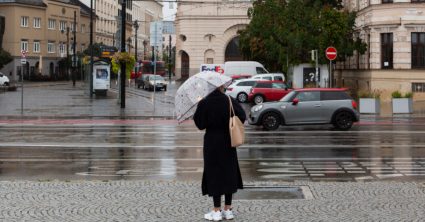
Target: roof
[
  {"x": 322, "y": 89},
  {"x": 25, "y": 2}
]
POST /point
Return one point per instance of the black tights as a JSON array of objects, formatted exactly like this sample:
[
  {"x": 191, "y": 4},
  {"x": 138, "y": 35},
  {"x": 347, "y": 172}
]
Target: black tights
[{"x": 227, "y": 200}]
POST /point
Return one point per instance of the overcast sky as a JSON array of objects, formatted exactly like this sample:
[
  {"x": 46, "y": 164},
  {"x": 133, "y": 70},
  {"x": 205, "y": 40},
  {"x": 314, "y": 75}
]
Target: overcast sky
[{"x": 168, "y": 13}]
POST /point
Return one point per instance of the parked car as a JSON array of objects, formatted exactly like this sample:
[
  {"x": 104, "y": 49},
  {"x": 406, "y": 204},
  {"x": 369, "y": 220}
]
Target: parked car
[
  {"x": 140, "y": 81},
  {"x": 156, "y": 80},
  {"x": 239, "y": 77},
  {"x": 240, "y": 89},
  {"x": 307, "y": 106},
  {"x": 4, "y": 80},
  {"x": 263, "y": 91},
  {"x": 270, "y": 77}
]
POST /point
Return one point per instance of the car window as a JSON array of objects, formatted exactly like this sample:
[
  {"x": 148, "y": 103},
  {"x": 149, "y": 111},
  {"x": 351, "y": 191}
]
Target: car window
[
  {"x": 335, "y": 95},
  {"x": 263, "y": 85},
  {"x": 278, "y": 78},
  {"x": 278, "y": 85},
  {"x": 260, "y": 70},
  {"x": 308, "y": 96},
  {"x": 246, "y": 83},
  {"x": 267, "y": 78}
]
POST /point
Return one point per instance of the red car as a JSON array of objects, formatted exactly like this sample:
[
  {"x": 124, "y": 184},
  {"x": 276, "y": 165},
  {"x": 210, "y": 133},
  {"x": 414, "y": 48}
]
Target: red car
[{"x": 263, "y": 91}]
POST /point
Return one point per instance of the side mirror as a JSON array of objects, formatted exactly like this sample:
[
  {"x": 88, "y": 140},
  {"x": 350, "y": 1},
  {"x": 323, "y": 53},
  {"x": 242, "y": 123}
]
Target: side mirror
[{"x": 295, "y": 101}]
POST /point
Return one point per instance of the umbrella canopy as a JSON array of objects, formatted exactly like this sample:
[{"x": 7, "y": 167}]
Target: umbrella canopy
[{"x": 194, "y": 89}]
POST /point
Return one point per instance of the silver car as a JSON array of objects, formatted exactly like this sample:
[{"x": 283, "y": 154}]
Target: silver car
[{"x": 307, "y": 106}]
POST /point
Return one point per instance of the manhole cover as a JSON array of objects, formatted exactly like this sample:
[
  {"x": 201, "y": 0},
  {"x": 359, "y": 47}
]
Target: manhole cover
[{"x": 273, "y": 193}]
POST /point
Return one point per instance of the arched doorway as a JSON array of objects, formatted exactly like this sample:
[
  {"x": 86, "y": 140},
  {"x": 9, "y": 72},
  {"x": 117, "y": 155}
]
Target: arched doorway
[
  {"x": 232, "y": 51},
  {"x": 185, "y": 65}
]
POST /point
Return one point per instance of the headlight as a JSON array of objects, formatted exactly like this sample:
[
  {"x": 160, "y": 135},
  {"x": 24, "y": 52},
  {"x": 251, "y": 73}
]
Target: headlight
[{"x": 258, "y": 108}]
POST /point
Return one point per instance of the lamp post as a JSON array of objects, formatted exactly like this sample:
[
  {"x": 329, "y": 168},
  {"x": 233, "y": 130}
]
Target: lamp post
[
  {"x": 67, "y": 50},
  {"x": 91, "y": 50},
  {"x": 136, "y": 26},
  {"x": 74, "y": 48},
  {"x": 144, "y": 49}
]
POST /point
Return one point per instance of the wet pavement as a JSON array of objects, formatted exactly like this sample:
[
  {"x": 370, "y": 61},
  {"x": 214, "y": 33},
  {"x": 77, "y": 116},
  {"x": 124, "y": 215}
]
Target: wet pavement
[
  {"x": 162, "y": 149},
  {"x": 72, "y": 158}
]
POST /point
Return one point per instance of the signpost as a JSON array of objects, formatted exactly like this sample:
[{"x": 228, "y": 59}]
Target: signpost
[
  {"x": 331, "y": 54},
  {"x": 23, "y": 62}
]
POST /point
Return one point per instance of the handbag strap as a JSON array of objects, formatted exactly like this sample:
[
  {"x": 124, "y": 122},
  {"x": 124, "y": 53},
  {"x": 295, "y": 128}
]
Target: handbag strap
[{"x": 231, "y": 110}]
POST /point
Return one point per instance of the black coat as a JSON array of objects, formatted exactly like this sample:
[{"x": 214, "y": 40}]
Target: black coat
[{"x": 221, "y": 168}]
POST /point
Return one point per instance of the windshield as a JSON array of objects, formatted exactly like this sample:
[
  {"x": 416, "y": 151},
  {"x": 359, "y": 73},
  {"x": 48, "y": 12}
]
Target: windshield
[
  {"x": 156, "y": 78},
  {"x": 288, "y": 97}
]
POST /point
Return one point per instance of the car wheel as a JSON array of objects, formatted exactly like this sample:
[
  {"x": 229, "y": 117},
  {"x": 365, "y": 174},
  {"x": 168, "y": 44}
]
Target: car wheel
[
  {"x": 258, "y": 99},
  {"x": 242, "y": 97},
  {"x": 271, "y": 121},
  {"x": 6, "y": 84},
  {"x": 138, "y": 86},
  {"x": 343, "y": 120}
]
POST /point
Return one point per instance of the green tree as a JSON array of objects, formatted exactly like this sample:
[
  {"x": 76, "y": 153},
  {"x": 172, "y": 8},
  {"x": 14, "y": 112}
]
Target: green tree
[
  {"x": 97, "y": 51},
  {"x": 284, "y": 32},
  {"x": 5, "y": 58}
]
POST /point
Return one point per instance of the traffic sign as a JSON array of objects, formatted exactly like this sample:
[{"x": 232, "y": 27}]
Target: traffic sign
[
  {"x": 23, "y": 61},
  {"x": 331, "y": 53},
  {"x": 156, "y": 34}
]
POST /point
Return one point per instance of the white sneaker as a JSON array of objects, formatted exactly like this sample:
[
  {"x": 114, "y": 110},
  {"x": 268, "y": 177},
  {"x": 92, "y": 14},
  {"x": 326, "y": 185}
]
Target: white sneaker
[
  {"x": 227, "y": 214},
  {"x": 214, "y": 216}
]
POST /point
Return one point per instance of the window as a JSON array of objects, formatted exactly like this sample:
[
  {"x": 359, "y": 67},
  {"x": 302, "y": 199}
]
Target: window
[
  {"x": 334, "y": 96},
  {"x": 51, "y": 47},
  {"x": 83, "y": 28},
  {"x": 418, "y": 87},
  {"x": 72, "y": 27},
  {"x": 308, "y": 96},
  {"x": 263, "y": 85},
  {"x": 62, "y": 48},
  {"x": 24, "y": 45},
  {"x": 52, "y": 24},
  {"x": 387, "y": 1},
  {"x": 278, "y": 78},
  {"x": 278, "y": 85},
  {"x": 417, "y": 1},
  {"x": 267, "y": 78},
  {"x": 37, "y": 23},
  {"x": 260, "y": 70},
  {"x": 246, "y": 83},
  {"x": 62, "y": 25},
  {"x": 36, "y": 47},
  {"x": 83, "y": 47},
  {"x": 418, "y": 49},
  {"x": 24, "y": 21},
  {"x": 386, "y": 50}
]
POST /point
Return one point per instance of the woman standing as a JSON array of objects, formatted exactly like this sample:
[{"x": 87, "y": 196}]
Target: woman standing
[{"x": 221, "y": 168}]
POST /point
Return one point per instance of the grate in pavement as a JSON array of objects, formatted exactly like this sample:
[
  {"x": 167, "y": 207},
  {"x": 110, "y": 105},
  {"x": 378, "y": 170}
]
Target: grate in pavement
[{"x": 273, "y": 193}]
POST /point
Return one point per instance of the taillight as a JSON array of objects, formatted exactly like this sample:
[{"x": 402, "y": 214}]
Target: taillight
[
  {"x": 229, "y": 89},
  {"x": 354, "y": 104}
]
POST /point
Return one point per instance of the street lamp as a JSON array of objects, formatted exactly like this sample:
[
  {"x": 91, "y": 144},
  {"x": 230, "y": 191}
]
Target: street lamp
[
  {"x": 129, "y": 45},
  {"x": 144, "y": 49},
  {"x": 136, "y": 26},
  {"x": 67, "y": 49}
]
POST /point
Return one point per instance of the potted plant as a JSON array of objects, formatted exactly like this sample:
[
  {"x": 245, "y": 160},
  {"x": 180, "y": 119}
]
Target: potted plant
[
  {"x": 402, "y": 103},
  {"x": 369, "y": 102}
]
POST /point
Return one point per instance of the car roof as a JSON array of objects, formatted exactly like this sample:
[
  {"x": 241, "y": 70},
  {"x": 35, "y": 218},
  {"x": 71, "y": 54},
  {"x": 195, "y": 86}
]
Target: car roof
[{"x": 321, "y": 89}]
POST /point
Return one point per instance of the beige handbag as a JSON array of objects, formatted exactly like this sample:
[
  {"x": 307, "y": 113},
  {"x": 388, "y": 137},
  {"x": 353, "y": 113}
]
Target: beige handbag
[{"x": 236, "y": 128}]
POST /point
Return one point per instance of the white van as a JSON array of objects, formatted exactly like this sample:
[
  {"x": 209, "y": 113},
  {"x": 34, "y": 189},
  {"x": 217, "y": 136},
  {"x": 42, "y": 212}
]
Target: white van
[
  {"x": 270, "y": 76},
  {"x": 246, "y": 68}
]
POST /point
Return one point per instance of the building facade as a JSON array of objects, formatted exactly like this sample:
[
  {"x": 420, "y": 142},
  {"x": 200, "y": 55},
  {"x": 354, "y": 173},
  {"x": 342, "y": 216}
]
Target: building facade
[
  {"x": 140, "y": 13},
  {"x": 394, "y": 31},
  {"x": 40, "y": 29},
  {"x": 207, "y": 32}
]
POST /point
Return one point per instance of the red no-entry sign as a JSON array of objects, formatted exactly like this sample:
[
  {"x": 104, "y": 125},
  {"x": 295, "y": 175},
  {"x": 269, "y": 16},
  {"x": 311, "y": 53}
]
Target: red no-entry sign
[{"x": 331, "y": 53}]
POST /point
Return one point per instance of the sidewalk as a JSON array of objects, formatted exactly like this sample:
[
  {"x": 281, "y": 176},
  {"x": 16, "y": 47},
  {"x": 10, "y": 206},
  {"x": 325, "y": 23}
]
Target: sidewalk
[
  {"x": 181, "y": 201},
  {"x": 62, "y": 100}
]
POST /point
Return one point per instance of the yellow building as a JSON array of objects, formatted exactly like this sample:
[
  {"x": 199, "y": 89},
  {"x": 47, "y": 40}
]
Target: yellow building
[{"x": 39, "y": 27}]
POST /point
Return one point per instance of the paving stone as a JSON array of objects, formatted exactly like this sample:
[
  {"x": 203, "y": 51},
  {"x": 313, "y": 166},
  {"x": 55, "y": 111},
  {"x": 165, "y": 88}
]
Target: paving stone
[{"x": 182, "y": 201}]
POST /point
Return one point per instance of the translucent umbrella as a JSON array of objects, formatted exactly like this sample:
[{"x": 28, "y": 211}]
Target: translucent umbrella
[{"x": 194, "y": 89}]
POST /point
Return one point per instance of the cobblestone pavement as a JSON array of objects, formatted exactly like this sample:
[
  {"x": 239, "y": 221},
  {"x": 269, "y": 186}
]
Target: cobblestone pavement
[{"x": 181, "y": 201}]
